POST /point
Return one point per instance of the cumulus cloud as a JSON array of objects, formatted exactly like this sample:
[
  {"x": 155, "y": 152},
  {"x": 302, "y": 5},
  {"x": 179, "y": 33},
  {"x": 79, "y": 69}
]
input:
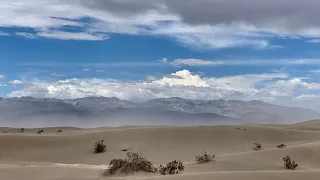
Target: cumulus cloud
[
  {"x": 203, "y": 24},
  {"x": 2, "y": 76},
  {"x": 16, "y": 82},
  {"x": 182, "y": 78},
  {"x": 273, "y": 87}
]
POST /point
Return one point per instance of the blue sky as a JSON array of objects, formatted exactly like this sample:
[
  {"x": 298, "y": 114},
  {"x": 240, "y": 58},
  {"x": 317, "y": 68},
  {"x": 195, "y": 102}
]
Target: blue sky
[{"x": 139, "y": 50}]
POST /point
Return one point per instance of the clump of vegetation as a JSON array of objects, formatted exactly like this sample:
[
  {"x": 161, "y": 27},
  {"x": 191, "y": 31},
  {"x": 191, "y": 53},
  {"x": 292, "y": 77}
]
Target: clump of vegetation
[
  {"x": 126, "y": 149},
  {"x": 289, "y": 164},
  {"x": 243, "y": 129},
  {"x": 99, "y": 147},
  {"x": 205, "y": 158},
  {"x": 257, "y": 146},
  {"x": 134, "y": 162},
  {"x": 40, "y": 131},
  {"x": 281, "y": 146},
  {"x": 171, "y": 168},
  {"x": 21, "y": 130},
  {"x": 59, "y": 131}
]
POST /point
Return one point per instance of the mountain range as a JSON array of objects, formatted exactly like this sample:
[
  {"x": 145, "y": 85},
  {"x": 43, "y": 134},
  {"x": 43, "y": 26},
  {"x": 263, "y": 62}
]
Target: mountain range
[{"x": 104, "y": 111}]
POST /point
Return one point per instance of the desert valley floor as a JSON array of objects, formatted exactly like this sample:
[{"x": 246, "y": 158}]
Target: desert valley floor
[{"x": 69, "y": 155}]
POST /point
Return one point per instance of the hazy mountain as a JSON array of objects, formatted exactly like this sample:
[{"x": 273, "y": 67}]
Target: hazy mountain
[
  {"x": 102, "y": 111},
  {"x": 254, "y": 111}
]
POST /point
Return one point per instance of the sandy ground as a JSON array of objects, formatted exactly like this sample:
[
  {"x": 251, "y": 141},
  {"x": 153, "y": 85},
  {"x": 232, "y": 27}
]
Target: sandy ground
[{"x": 69, "y": 155}]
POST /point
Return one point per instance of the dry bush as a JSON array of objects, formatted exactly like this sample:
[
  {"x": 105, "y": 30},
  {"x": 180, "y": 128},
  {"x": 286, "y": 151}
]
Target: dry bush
[
  {"x": 171, "y": 168},
  {"x": 134, "y": 162},
  {"x": 205, "y": 158},
  {"x": 126, "y": 149},
  {"x": 281, "y": 146},
  {"x": 99, "y": 147},
  {"x": 21, "y": 130},
  {"x": 40, "y": 131},
  {"x": 59, "y": 131},
  {"x": 257, "y": 146},
  {"x": 289, "y": 164}
]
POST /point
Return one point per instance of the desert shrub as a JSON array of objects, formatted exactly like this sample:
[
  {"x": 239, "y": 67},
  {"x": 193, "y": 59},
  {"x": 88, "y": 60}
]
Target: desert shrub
[
  {"x": 21, "y": 130},
  {"x": 289, "y": 164},
  {"x": 134, "y": 162},
  {"x": 281, "y": 146},
  {"x": 205, "y": 158},
  {"x": 59, "y": 131},
  {"x": 40, "y": 131},
  {"x": 99, "y": 147},
  {"x": 126, "y": 149},
  {"x": 171, "y": 168},
  {"x": 257, "y": 146}
]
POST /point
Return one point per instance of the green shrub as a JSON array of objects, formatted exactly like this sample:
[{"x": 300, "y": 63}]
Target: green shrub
[
  {"x": 134, "y": 162},
  {"x": 171, "y": 168},
  {"x": 257, "y": 146},
  {"x": 205, "y": 158},
  {"x": 289, "y": 164},
  {"x": 99, "y": 147}
]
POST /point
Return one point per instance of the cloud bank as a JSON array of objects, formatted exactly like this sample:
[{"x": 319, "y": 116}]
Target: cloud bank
[
  {"x": 201, "y": 24},
  {"x": 277, "y": 88}
]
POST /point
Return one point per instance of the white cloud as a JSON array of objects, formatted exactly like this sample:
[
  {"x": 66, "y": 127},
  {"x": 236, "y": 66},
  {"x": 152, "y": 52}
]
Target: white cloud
[
  {"x": 48, "y": 17},
  {"x": 26, "y": 35},
  {"x": 151, "y": 78},
  {"x": 86, "y": 69},
  {"x": 194, "y": 62},
  {"x": 179, "y": 84},
  {"x": 243, "y": 62},
  {"x": 16, "y": 82},
  {"x": 72, "y": 35},
  {"x": 4, "y": 34},
  {"x": 2, "y": 76},
  {"x": 184, "y": 78},
  {"x": 315, "y": 71},
  {"x": 278, "y": 88},
  {"x": 314, "y": 41},
  {"x": 57, "y": 74},
  {"x": 163, "y": 60}
]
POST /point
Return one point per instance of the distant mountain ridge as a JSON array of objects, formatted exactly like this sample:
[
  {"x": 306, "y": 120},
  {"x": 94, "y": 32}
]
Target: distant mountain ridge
[{"x": 105, "y": 111}]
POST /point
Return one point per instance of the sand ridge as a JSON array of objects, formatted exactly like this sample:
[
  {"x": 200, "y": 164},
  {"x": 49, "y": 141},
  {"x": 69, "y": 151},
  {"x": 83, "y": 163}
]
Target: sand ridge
[{"x": 68, "y": 155}]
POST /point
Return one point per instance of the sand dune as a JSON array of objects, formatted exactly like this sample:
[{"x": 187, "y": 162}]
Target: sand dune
[{"x": 69, "y": 155}]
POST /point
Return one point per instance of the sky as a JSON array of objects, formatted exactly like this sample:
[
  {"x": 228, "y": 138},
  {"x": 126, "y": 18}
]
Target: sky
[{"x": 144, "y": 49}]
